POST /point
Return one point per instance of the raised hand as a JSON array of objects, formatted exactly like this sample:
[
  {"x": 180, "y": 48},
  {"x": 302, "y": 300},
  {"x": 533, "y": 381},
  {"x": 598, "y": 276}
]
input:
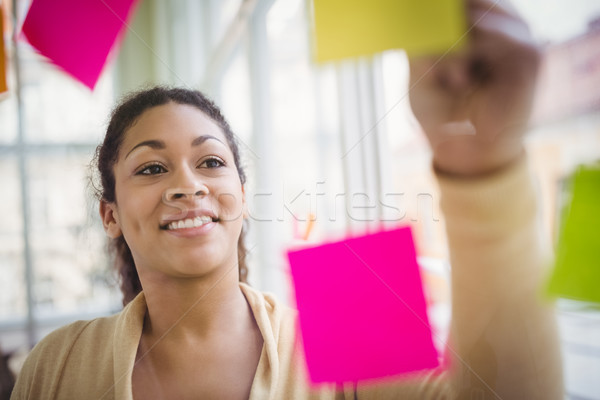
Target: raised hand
[{"x": 474, "y": 104}]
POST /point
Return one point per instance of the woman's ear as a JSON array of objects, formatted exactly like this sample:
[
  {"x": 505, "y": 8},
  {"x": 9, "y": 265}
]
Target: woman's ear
[{"x": 108, "y": 213}]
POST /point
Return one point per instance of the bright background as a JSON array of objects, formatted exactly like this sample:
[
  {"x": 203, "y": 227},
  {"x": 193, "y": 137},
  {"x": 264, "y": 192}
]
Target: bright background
[{"x": 337, "y": 141}]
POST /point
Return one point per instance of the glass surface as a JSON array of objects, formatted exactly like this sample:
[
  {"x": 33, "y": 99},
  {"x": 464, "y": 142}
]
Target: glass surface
[
  {"x": 415, "y": 195},
  {"x": 235, "y": 102},
  {"x": 12, "y": 285},
  {"x": 56, "y": 107},
  {"x": 304, "y": 106},
  {"x": 71, "y": 272},
  {"x": 69, "y": 265},
  {"x": 225, "y": 12},
  {"x": 8, "y": 118}
]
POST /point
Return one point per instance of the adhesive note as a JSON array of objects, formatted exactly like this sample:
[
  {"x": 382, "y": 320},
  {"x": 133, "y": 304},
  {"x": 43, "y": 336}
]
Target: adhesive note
[
  {"x": 576, "y": 273},
  {"x": 362, "y": 312},
  {"x": 76, "y": 35},
  {"x": 352, "y": 28},
  {"x": 3, "y": 86}
]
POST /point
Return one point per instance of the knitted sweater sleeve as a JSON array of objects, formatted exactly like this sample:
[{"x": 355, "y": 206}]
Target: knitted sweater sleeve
[{"x": 503, "y": 339}]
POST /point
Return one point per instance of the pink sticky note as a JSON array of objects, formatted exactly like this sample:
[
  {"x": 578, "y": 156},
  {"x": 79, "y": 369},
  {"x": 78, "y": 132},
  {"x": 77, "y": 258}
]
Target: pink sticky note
[
  {"x": 361, "y": 308},
  {"x": 76, "y": 35}
]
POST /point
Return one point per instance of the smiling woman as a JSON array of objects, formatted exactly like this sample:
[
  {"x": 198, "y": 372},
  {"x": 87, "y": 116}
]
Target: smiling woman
[
  {"x": 172, "y": 203},
  {"x": 176, "y": 205},
  {"x": 125, "y": 117}
]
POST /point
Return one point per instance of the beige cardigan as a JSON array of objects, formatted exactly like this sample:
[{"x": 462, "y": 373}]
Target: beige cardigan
[{"x": 504, "y": 343}]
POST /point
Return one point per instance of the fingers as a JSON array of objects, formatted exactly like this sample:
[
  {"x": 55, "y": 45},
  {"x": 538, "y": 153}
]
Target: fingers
[
  {"x": 502, "y": 47},
  {"x": 473, "y": 104},
  {"x": 500, "y": 62},
  {"x": 496, "y": 31}
]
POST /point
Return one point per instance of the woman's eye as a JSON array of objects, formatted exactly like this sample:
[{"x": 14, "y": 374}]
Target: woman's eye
[
  {"x": 153, "y": 169},
  {"x": 212, "y": 162}
]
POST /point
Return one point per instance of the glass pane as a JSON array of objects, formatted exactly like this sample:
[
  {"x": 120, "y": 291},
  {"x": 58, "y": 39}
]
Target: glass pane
[
  {"x": 67, "y": 239},
  {"x": 235, "y": 101},
  {"x": 225, "y": 11},
  {"x": 305, "y": 124},
  {"x": 415, "y": 193},
  {"x": 57, "y": 108},
  {"x": 8, "y": 118},
  {"x": 12, "y": 285}
]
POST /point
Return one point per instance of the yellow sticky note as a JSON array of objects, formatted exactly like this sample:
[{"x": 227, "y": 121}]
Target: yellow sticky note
[{"x": 352, "y": 28}]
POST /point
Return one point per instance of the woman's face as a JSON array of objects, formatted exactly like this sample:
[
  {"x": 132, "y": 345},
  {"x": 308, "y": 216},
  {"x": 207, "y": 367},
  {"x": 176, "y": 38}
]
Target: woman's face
[{"x": 179, "y": 200}]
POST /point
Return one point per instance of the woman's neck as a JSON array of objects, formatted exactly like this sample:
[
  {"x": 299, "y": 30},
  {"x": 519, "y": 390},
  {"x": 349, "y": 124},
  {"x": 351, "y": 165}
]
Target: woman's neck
[
  {"x": 186, "y": 309},
  {"x": 194, "y": 323}
]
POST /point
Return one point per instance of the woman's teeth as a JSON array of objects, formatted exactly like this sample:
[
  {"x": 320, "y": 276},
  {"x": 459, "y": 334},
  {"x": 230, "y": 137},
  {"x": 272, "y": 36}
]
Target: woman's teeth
[{"x": 190, "y": 222}]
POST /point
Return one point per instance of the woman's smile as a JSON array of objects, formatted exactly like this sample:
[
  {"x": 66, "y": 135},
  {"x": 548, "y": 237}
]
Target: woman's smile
[
  {"x": 191, "y": 227},
  {"x": 188, "y": 223},
  {"x": 191, "y": 223}
]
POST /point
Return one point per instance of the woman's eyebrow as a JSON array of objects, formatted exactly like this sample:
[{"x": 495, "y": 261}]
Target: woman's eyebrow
[
  {"x": 154, "y": 144},
  {"x": 201, "y": 139},
  {"x": 160, "y": 145}
]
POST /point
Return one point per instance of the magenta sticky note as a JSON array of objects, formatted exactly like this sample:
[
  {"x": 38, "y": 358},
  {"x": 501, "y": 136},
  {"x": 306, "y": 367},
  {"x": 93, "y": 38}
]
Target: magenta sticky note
[
  {"x": 76, "y": 35},
  {"x": 361, "y": 308}
]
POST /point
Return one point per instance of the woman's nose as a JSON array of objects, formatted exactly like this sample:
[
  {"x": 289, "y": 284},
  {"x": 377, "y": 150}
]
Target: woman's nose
[
  {"x": 181, "y": 193},
  {"x": 186, "y": 185}
]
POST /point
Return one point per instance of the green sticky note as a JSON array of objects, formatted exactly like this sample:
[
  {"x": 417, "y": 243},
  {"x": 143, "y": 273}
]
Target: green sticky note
[
  {"x": 577, "y": 270},
  {"x": 352, "y": 28}
]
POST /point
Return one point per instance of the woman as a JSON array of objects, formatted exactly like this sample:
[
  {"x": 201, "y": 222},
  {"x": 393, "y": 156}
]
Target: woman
[{"x": 173, "y": 202}]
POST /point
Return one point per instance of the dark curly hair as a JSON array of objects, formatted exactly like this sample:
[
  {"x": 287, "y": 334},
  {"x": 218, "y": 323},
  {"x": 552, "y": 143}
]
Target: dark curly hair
[{"x": 124, "y": 115}]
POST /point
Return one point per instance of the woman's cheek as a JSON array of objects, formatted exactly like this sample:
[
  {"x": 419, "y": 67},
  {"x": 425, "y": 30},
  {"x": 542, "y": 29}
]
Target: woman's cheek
[{"x": 231, "y": 205}]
